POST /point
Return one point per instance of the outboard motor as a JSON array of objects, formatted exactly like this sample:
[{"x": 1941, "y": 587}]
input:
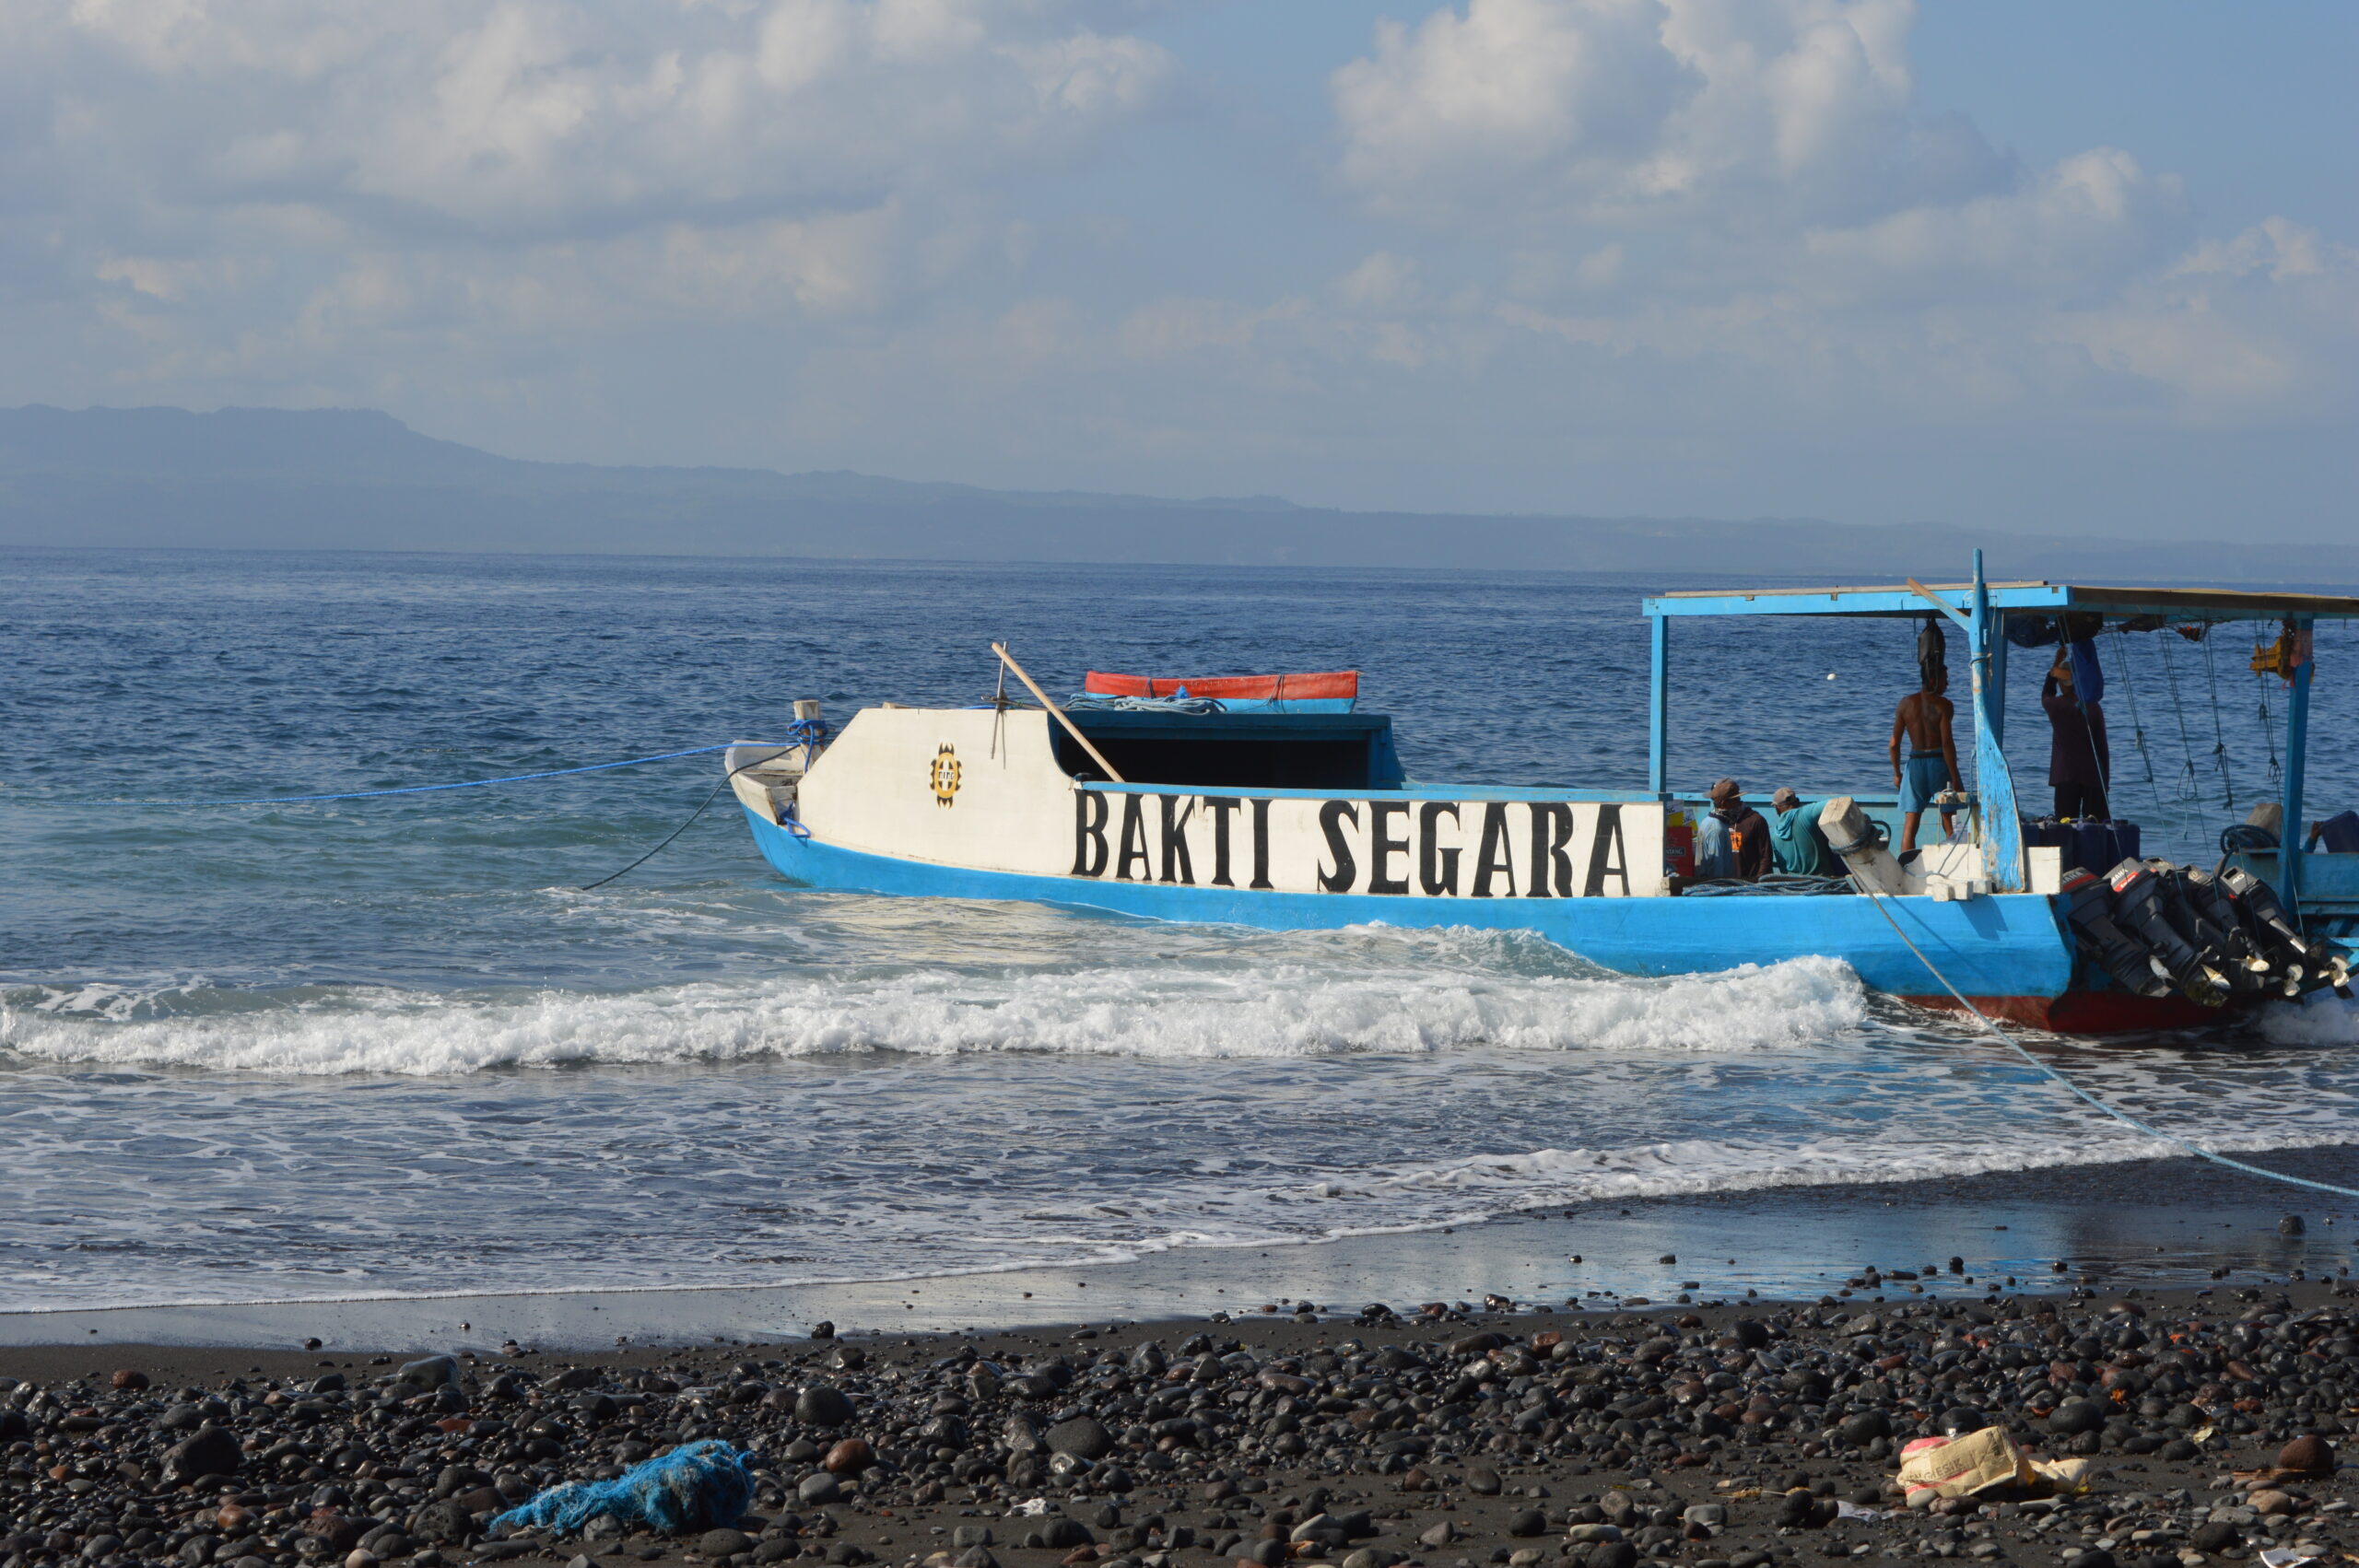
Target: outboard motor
[
  {"x": 2274, "y": 928},
  {"x": 2140, "y": 906},
  {"x": 2197, "y": 929},
  {"x": 2204, "y": 891},
  {"x": 2089, "y": 906}
]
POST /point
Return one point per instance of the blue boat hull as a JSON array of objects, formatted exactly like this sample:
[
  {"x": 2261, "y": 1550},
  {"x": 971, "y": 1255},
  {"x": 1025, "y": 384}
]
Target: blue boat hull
[{"x": 2010, "y": 952}]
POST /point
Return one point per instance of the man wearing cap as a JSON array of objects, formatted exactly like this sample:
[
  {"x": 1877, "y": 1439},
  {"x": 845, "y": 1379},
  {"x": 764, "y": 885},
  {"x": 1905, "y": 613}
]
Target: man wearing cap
[
  {"x": 1795, "y": 841},
  {"x": 1732, "y": 841}
]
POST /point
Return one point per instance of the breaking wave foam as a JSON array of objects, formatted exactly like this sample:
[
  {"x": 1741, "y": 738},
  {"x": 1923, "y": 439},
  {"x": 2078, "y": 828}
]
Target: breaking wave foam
[
  {"x": 2321, "y": 1018},
  {"x": 1175, "y": 1011}
]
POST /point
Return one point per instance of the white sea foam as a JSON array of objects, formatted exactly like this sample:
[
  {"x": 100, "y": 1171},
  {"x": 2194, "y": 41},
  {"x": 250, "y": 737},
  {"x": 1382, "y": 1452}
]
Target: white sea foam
[
  {"x": 1494, "y": 1184},
  {"x": 2321, "y": 1018},
  {"x": 1372, "y": 1082},
  {"x": 1168, "y": 1011}
]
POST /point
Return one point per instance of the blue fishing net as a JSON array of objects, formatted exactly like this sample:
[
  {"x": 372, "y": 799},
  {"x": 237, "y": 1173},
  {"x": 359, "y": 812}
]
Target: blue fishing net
[
  {"x": 698, "y": 1486},
  {"x": 1194, "y": 707}
]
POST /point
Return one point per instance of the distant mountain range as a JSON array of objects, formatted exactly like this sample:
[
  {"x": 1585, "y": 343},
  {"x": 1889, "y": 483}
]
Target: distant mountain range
[{"x": 336, "y": 479}]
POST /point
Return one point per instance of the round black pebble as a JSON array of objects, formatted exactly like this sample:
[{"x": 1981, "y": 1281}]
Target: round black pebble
[
  {"x": 2074, "y": 1416},
  {"x": 2213, "y": 1535}
]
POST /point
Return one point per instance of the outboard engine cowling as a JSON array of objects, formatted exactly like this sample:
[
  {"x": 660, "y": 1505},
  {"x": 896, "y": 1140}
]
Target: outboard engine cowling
[
  {"x": 2089, "y": 908},
  {"x": 2329, "y": 961},
  {"x": 2197, "y": 929},
  {"x": 2138, "y": 904},
  {"x": 2273, "y": 929},
  {"x": 2204, "y": 891}
]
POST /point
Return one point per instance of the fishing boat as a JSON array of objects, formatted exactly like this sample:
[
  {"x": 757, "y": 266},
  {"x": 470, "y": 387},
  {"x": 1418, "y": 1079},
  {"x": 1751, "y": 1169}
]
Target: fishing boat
[{"x": 1271, "y": 802}]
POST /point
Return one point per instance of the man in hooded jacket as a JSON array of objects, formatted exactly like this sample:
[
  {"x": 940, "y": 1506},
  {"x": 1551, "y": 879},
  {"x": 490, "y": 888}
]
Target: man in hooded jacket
[{"x": 1732, "y": 841}]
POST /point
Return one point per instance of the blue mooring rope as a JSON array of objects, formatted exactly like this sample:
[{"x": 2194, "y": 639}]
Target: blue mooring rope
[
  {"x": 2124, "y": 1118},
  {"x": 807, "y": 732},
  {"x": 425, "y": 788}
]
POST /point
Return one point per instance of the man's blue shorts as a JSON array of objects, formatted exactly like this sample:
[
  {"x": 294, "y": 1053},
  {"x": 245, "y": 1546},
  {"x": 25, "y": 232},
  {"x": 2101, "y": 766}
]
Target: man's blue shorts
[{"x": 1924, "y": 775}]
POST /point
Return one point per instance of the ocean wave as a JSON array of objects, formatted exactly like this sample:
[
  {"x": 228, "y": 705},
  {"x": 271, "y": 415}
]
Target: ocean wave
[{"x": 1175, "y": 1009}]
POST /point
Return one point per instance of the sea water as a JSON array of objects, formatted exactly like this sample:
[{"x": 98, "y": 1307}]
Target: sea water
[{"x": 390, "y": 1046}]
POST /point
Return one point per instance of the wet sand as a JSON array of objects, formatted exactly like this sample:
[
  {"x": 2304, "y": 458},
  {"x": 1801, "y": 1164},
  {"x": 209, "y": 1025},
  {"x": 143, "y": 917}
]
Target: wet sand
[{"x": 2148, "y": 1223}]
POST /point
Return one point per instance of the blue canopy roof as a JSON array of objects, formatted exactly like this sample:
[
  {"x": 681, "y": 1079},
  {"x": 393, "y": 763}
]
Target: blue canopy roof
[
  {"x": 1981, "y": 607},
  {"x": 2175, "y": 604}
]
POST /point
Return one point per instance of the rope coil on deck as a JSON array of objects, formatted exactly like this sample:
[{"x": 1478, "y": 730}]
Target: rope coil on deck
[{"x": 1788, "y": 883}]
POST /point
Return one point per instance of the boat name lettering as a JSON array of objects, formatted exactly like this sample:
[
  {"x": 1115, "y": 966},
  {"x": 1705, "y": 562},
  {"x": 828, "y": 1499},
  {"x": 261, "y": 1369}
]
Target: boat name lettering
[{"x": 1385, "y": 848}]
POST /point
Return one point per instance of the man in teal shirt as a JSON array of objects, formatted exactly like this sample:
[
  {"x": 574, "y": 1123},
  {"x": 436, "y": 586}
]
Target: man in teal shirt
[{"x": 1795, "y": 841}]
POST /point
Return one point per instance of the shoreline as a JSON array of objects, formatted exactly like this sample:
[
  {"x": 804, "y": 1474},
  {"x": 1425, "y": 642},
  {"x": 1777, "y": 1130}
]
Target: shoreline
[{"x": 2032, "y": 1232}]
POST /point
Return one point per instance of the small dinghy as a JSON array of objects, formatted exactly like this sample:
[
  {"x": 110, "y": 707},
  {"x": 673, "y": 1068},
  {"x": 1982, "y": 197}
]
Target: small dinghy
[{"x": 1268, "y": 800}]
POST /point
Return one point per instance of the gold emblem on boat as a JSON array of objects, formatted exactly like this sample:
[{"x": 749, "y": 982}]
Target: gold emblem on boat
[{"x": 944, "y": 775}]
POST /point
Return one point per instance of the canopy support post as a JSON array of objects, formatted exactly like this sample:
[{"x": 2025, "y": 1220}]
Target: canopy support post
[
  {"x": 2297, "y": 736},
  {"x": 1998, "y": 698},
  {"x": 1659, "y": 705},
  {"x": 1994, "y": 785}
]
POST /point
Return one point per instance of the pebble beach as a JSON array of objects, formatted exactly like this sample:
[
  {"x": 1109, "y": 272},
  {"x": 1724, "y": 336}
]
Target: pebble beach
[{"x": 1434, "y": 1436}]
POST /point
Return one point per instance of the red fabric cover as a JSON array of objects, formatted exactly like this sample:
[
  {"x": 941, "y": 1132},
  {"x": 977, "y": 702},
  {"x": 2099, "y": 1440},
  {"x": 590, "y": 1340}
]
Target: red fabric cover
[{"x": 1328, "y": 684}]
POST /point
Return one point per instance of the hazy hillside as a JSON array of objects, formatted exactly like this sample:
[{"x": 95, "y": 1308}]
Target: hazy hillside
[{"x": 354, "y": 479}]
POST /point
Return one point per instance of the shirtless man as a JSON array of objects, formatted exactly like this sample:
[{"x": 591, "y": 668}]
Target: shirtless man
[{"x": 1923, "y": 718}]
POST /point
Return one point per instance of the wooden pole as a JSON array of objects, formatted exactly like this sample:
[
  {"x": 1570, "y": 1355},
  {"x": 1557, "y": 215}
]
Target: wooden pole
[
  {"x": 1937, "y": 603},
  {"x": 2297, "y": 745},
  {"x": 1058, "y": 714}
]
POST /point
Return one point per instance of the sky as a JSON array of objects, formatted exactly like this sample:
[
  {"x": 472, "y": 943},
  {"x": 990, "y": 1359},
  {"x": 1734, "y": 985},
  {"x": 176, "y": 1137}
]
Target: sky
[{"x": 2087, "y": 269}]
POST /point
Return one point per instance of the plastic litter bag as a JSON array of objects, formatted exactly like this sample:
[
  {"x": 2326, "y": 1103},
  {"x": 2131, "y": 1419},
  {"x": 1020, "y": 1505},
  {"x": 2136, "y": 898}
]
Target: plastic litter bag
[{"x": 700, "y": 1486}]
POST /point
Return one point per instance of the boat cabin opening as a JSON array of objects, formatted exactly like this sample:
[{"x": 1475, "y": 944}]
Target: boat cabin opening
[{"x": 1239, "y": 751}]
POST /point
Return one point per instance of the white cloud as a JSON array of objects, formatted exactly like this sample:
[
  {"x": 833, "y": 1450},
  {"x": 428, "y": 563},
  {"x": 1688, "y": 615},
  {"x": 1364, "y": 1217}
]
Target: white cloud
[
  {"x": 1547, "y": 254},
  {"x": 516, "y": 116},
  {"x": 237, "y": 187},
  {"x": 2283, "y": 248},
  {"x": 1632, "y": 110},
  {"x": 1754, "y": 183},
  {"x": 1383, "y": 279},
  {"x": 2092, "y": 221},
  {"x": 1479, "y": 102}
]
